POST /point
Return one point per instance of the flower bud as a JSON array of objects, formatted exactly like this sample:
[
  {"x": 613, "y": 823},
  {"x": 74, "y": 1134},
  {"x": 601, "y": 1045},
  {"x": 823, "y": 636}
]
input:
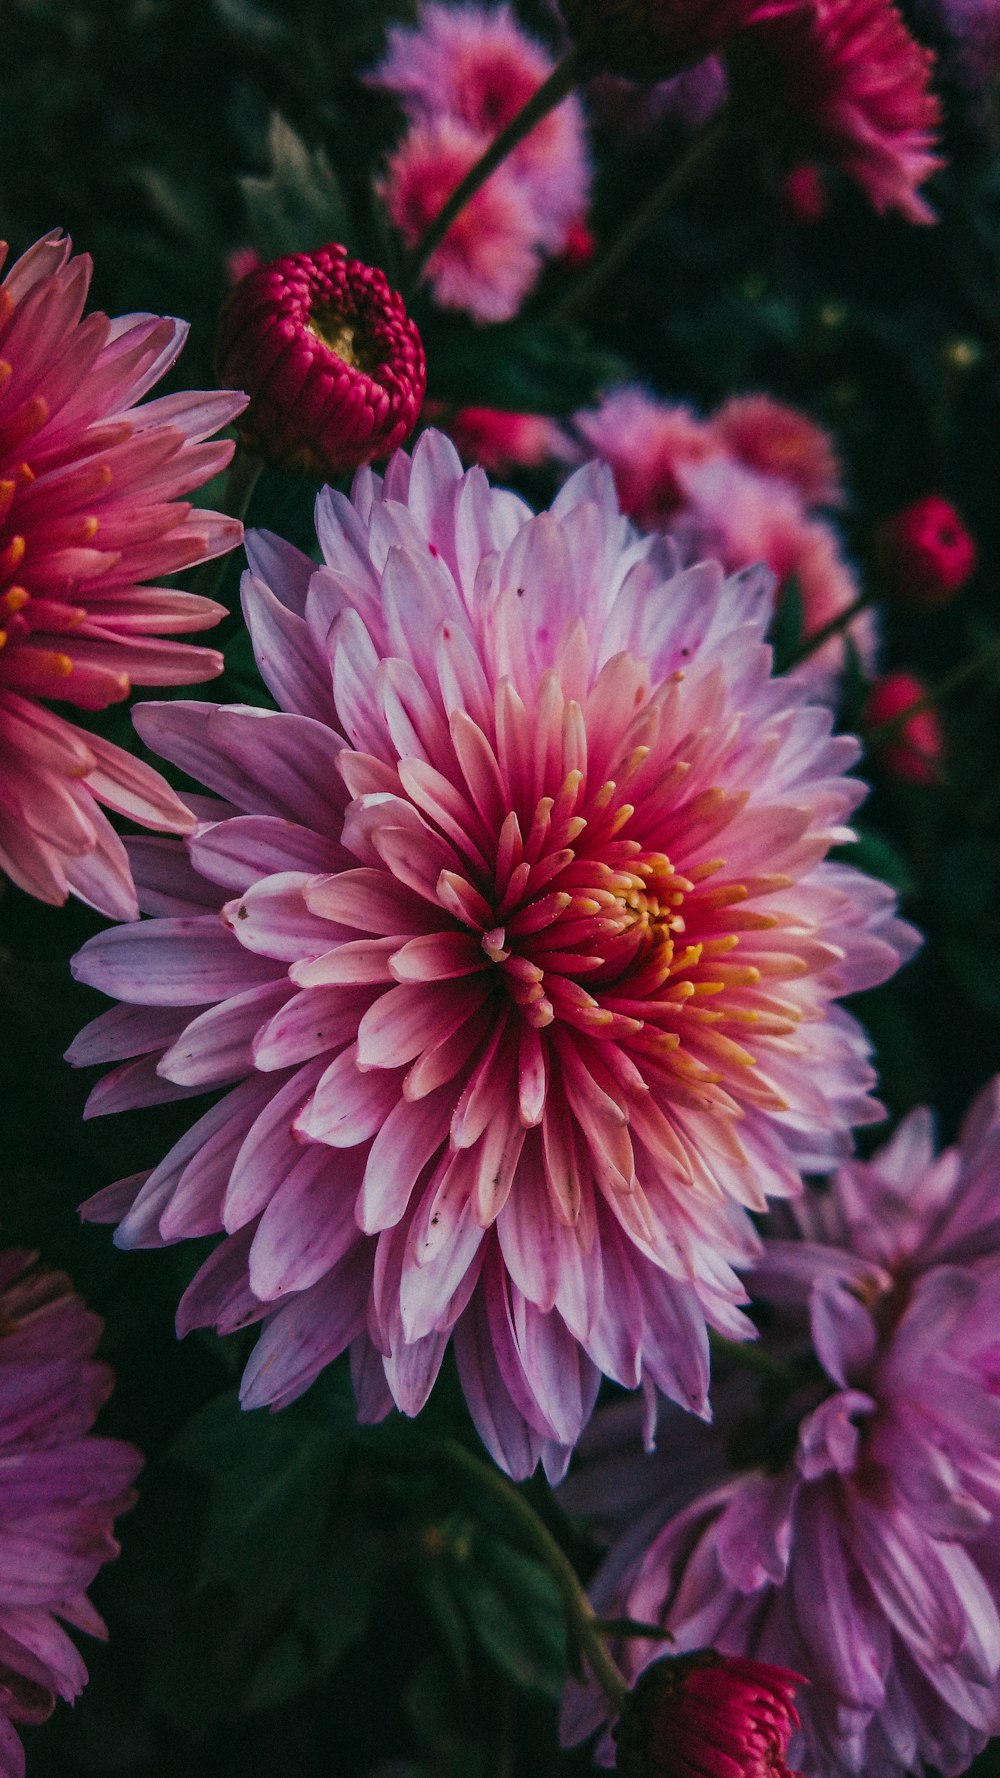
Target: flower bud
[
  {"x": 332, "y": 362},
  {"x": 708, "y": 1712},
  {"x": 915, "y": 751},
  {"x": 650, "y": 39},
  {"x": 925, "y": 554}
]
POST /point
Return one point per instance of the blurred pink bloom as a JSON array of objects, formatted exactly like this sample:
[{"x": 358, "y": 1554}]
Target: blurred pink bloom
[
  {"x": 491, "y": 255},
  {"x": 528, "y": 984},
  {"x": 925, "y": 554},
  {"x": 477, "y": 66},
  {"x": 499, "y": 440},
  {"x": 776, "y": 439},
  {"x": 917, "y": 751},
  {"x": 859, "y": 1541},
  {"x": 845, "y": 79},
  {"x": 803, "y": 194},
  {"x": 736, "y": 487},
  {"x": 706, "y": 1715},
  {"x": 88, "y": 509},
  {"x": 62, "y": 1491},
  {"x": 240, "y": 262}
]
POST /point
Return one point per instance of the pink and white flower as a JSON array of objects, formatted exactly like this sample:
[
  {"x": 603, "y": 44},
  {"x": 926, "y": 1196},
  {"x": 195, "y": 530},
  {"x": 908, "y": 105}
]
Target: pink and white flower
[
  {"x": 61, "y": 1492},
  {"x": 855, "y": 1536},
  {"x": 512, "y": 936},
  {"x": 89, "y": 509}
]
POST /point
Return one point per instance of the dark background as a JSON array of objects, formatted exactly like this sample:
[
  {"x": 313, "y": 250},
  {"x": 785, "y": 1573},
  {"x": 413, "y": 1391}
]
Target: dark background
[{"x": 296, "y": 1597}]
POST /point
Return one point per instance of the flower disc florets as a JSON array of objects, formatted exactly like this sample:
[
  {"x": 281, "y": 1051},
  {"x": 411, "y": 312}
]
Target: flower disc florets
[
  {"x": 514, "y": 927},
  {"x": 332, "y": 362}
]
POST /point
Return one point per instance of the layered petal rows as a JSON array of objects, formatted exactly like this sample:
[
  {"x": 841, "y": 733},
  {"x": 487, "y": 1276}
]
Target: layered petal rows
[{"x": 511, "y": 934}]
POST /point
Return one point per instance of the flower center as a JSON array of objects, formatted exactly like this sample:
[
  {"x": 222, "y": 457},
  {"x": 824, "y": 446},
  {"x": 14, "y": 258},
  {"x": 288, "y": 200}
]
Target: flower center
[{"x": 343, "y": 336}]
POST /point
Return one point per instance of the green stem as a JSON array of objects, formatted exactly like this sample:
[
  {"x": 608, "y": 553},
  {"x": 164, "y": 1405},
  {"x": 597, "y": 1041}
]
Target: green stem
[
  {"x": 953, "y": 682},
  {"x": 551, "y": 93},
  {"x": 581, "y": 1619},
  {"x": 752, "y": 1357},
  {"x": 681, "y": 175},
  {"x": 241, "y": 479},
  {"x": 834, "y": 628}
]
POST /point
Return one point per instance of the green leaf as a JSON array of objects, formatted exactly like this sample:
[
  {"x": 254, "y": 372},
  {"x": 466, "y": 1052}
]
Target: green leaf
[
  {"x": 785, "y": 634},
  {"x": 300, "y": 204},
  {"x": 536, "y": 367}
]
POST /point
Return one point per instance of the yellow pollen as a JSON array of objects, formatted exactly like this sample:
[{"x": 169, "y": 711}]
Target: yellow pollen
[
  {"x": 341, "y": 336},
  {"x": 5, "y": 372},
  {"x": 3, "y": 637},
  {"x": 14, "y": 599},
  {"x": 12, "y": 556},
  {"x": 719, "y": 947}
]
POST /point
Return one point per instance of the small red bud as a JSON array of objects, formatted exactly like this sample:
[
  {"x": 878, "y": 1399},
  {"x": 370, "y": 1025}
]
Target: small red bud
[
  {"x": 708, "y": 1712},
  {"x": 803, "y": 194},
  {"x": 924, "y": 553},
  {"x": 915, "y": 751}
]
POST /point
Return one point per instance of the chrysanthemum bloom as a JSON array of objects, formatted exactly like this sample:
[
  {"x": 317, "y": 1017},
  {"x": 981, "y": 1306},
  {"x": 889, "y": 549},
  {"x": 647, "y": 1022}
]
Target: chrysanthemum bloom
[
  {"x": 498, "y": 440},
  {"x": 844, "y": 1521},
  {"x": 491, "y": 255},
  {"x": 691, "y": 1716},
  {"x": 845, "y": 79},
  {"x": 776, "y": 439},
  {"x": 62, "y": 1491},
  {"x": 651, "y": 39},
  {"x": 736, "y": 487},
  {"x": 916, "y": 751},
  {"x": 332, "y": 362},
  {"x": 477, "y": 66},
  {"x": 514, "y": 928},
  {"x": 925, "y": 554},
  {"x": 88, "y": 509}
]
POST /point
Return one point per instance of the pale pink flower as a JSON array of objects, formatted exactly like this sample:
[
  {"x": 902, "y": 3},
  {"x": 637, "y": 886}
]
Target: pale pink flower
[
  {"x": 62, "y": 1490},
  {"x": 512, "y": 937},
  {"x": 846, "y": 79},
  {"x": 491, "y": 255},
  {"x": 88, "y": 510},
  {"x": 478, "y": 66},
  {"x": 855, "y": 1537},
  {"x": 736, "y": 487}
]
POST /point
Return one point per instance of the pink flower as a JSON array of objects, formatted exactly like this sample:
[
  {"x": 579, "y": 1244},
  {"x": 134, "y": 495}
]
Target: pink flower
[
  {"x": 917, "y": 751},
  {"x": 855, "y": 1537},
  {"x": 512, "y": 938},
  {"x": 62, "y": 1491},
  {"x": 706, "y": 1715},
  {"x": 88, "y": 510},
  {"x": 333, "y": 364},
  {"x": 476, "y": 66},
  {"x": 499, "y": 440},
  {"x": 925, "y": 553},
  {"x": 491, "y": 255},
  {"x": 737, "y": 487},
  {"x": 844, "y": 78},
  {"x": 776, "y": 439}
]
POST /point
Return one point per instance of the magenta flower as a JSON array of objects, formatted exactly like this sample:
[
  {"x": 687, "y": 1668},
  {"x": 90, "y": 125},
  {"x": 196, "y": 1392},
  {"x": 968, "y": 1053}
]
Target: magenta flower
[
  {"x": 88, "y": 510},
  {"x": 855, "y": 1537},
  {"x": 845, "y": 79},
  {"x": 706, "y": 1715},
  {"x": 513, "y": 928},
  {"x": 62, "y": 1490}
]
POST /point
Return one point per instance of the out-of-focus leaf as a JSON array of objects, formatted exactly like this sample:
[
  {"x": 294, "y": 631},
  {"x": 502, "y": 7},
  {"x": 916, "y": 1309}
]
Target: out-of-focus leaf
[
  {"x": 534, "y": 367},
  {"x": 300, "y": 204}
]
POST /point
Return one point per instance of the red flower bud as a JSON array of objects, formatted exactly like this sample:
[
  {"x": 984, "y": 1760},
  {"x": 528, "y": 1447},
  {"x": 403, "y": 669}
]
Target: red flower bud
[
  {"x": 332, "y": 362},
  {"x": 915, "y": 751},
  {"x": 650, "y": 39},
  {"x": 925, "y": 554},
  {"x": 710, "y": 1713},
  {"x": 803, "y": 194}
]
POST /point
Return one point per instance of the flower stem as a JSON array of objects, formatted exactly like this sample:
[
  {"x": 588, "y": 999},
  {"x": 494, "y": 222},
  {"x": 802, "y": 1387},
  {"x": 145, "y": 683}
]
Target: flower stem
[
  {"x": 681, "y": 175},
  {"x": 835, "y": 627},
  {"x": 951, "y": 683},
  {"x": 581, "y": 1619},
  {"x": 551, "y": 93}
]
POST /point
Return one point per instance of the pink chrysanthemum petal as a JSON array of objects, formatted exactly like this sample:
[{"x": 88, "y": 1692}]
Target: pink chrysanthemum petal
[
  {"x": 89, "y": 508},
  {"x": 514, "y": 927}
]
